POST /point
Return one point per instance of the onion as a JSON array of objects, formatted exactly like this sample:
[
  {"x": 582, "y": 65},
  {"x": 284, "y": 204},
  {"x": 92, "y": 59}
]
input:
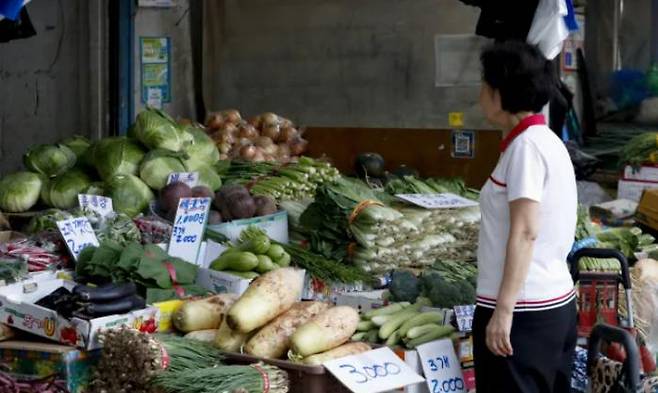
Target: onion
[
  {"x": 228, "y": 128},
  {"x": 284, "y": 149},
  {"x": 286, "y": 122},
  {"x": 271, "y": 149},
  {"x": 248, "y": 131},
  {"x": 224, "y": 148},
  {"x": 298, "y": 146},
  {"x": 256, "y": 121},
  {"x": 263, "y": 142},
  {"x": 223, "y": 156},
  {"x": 232, "y": 116},
  {"x": 258, "y": 155},
  {"x": 271, "y": 131},
  {"x": 245, "y": 142},
  {"x": 287, "y": 134},
  {"x": 248, "y": 152},
  {"x": 269, "y": 118},
  {"x": 215, "y": 120}
]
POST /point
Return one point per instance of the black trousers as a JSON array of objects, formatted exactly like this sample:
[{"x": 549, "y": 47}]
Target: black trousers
[{"x": 544, "y": 343}]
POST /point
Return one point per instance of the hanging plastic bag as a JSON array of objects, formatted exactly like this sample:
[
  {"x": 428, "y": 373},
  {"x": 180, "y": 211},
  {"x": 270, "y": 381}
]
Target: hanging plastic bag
[{"x": 548, "y": 30}]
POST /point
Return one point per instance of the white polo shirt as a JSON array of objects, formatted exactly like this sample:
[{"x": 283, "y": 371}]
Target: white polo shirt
[{"x": 534, "y": 164}]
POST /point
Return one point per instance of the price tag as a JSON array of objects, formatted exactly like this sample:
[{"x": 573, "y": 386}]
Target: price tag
[
  {"x": 442, "y": 370},
  {"x": 437, "y": 201},
  {"x": 374, "y": 371},
  {"x": 99, "y": 204},
  {"x": 78, "y": 234},
  {"x": 464, "y": 316},
  {"x": 189, "y": 225},
  {"x": 189, "y": 178}
]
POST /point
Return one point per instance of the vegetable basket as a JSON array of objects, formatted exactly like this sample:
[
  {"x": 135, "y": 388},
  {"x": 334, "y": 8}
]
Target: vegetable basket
[
  {"x": 598, "y": 293},
  {"x": 303, "y": 378}
]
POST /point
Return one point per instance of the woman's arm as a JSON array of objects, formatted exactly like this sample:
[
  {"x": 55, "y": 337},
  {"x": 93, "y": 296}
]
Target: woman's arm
[{"x": 524, "y": 223}]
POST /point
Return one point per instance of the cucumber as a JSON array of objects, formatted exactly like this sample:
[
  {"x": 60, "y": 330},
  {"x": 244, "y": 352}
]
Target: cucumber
[
  {"x": 245, "y": 275},
  {"x": 421, "y": 319},
  {"x": 390, "y": 309},
  {"x": 284, "y": 261},
  {"x": 437, "y": 333},
  {"x": 395, "y": 322},
  {"x": 238, "y": 261},
  {"x": 393, "y": 339},
  {"x": 275, "y": 252},
  {"x": 265, "y": 264},
  {"x": 418, "y": 331},
  {"x": 364, "y": 326},
  {"x": 359, "y": 336},
  {"x": 372, "y": 337},
  {"x": 379, "y": 320}
]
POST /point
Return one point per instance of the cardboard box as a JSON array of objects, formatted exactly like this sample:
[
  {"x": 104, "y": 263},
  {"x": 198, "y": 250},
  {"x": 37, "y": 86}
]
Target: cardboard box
[
  {"x": 362, "y": 301},
  {"x": 647, "y": 173},
  {"x": 275, "y": 226},
  {"x": 632, "y": 190},
  {"x": 17, "y": 309},
  {"x": 26, "y": 359},
  {"x": 647, "y": 210}
]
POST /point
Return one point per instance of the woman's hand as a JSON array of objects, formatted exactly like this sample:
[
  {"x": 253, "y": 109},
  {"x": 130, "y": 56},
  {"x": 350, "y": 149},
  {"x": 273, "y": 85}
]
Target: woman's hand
[{"x": 498, "y": 333}]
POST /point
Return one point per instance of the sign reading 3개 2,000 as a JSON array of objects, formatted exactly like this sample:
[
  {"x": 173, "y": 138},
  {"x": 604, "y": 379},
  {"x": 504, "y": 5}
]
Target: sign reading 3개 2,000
[
  {"x": 189, "y": 225},
  {"x": 442, "y": 370},
  {"x": 78, "y": 234}
]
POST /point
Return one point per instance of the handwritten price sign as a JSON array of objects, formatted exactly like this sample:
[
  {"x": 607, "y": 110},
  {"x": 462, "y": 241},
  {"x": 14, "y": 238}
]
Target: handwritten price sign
[
  {"x": 464, "y": 316},
  {"x": 374, "y": 371},
  {"x": 437, "y": 201},
  {"x": 99, "y": 204},
  {"x": 78, "y": 234},
  {"x": 189, "y": 225},
  {"x": 442, "y": 370},
  {"x": 189, "y": 178}
]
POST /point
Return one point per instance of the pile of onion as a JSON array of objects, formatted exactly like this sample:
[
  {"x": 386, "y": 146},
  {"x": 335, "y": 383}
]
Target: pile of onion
[{"x": 266, "y": 137}]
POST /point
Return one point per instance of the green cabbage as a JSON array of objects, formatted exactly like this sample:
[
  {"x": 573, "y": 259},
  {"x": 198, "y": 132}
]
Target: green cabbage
[
  {"x": 19, "y": 191},
  {"x": 62, "y": 191},
  {"x": 209, "y": 178},
  {"x": 49, "y": 160},
  {"x": 157, "y": 166},
  {"x": 202, "y": 151},
  {"x": 95, "y": 188},
  {"x": 46, "y": 220},
  {"x": 157, "y": 130},
  {"x": 130, "y": 195},
  {"x": 78, "y": 144},
  {"x": 117, "y": 156}
]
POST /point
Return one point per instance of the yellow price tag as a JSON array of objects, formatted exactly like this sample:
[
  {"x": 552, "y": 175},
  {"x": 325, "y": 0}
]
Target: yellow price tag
[{"x": 456, "y": 119}]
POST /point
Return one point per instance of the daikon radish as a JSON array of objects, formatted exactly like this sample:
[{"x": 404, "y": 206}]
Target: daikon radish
[
  {"x": 204, "y": 313},
  {"x": 327, "y": 330},
  {"x": 337, "y": 353}
]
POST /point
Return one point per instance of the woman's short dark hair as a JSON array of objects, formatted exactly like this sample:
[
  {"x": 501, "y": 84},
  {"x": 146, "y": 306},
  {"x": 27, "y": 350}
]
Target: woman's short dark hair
[{"x": 520, "y": 73}]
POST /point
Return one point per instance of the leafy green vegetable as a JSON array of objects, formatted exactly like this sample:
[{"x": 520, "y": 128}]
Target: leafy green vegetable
[
  {"x": 129, "y": 194},
  {"x": 157, "y": 166},
  {"x": 78, "y": 144},
  {"x": 62, "y": 191},
  {"x": 116, "y": 156},
  {"x": 157, "y": 130},
  {"x": 19, "y": 191},
  {"x": 46, "y": 220},
  {"x": 208, "y": 177},
  {"x": 202, "y": 151},
  {"x": 404, "y": 287},
  {"x": 640, "y": 149},
  {"x": 49, "y": 160}
]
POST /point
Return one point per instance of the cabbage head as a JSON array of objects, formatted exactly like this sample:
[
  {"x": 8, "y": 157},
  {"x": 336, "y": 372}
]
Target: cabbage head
[
  {"x": 130, "y": 195},
  {"x": 62, "y": 191},
  {"x": 157, "y": 166},
  {"x": 95, "y": 188},
  {"x": 49, "y": 160},
  {"x": 209, "y": 178},
  {"x": 157, "y": 130},
  {"x": 78, "y": 144},
  {"x": 117, "y": 156},
  {"x": 19, "y": 191},
  {"x": 202, "y": 151}
]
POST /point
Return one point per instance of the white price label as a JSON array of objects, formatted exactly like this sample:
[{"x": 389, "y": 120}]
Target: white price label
[
  {"x": 437, "y": 201},
  {"x": 189, "y": 226},
  {"x": 379, "y": 370},
  {"x": 189, "y": 178},
  {"x": 78, "y": 234},
  {"x": 464, "y": 317},
  {"x": 99, "y": 204},
  {"x": 442, "y": 370}
]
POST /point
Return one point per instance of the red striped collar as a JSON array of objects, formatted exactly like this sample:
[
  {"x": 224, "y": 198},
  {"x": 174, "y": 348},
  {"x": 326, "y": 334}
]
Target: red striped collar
[{"x": 527, "y": 122}]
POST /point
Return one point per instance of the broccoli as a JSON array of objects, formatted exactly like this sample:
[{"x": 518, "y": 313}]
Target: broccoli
[
  {"x": 447, "y": 294},
  {"x": 404, "y": 287}
]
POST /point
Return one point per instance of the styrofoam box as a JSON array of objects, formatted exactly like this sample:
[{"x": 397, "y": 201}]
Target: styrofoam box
[
  {"x": 19, "y": 311},
  {"x": 363, "y": 301},
  {"x": 643, "y": 173},
  {"x": 632, "y": 190},
  {"x": 275, "y": 226}
]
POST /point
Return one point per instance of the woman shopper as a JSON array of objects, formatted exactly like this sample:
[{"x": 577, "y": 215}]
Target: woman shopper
[{"x": 525, "y": 321}]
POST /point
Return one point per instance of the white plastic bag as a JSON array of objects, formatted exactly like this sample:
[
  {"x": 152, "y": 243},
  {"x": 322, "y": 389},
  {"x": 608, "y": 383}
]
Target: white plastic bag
[{"x": 548, "y": 30}]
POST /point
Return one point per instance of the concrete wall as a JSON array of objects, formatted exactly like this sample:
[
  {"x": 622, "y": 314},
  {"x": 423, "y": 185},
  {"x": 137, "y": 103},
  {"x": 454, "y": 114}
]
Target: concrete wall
[
  {"x": 174, "y": 23},
  {"x": 336, "y": 62},
  {"x": 52, "y": 85}
]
